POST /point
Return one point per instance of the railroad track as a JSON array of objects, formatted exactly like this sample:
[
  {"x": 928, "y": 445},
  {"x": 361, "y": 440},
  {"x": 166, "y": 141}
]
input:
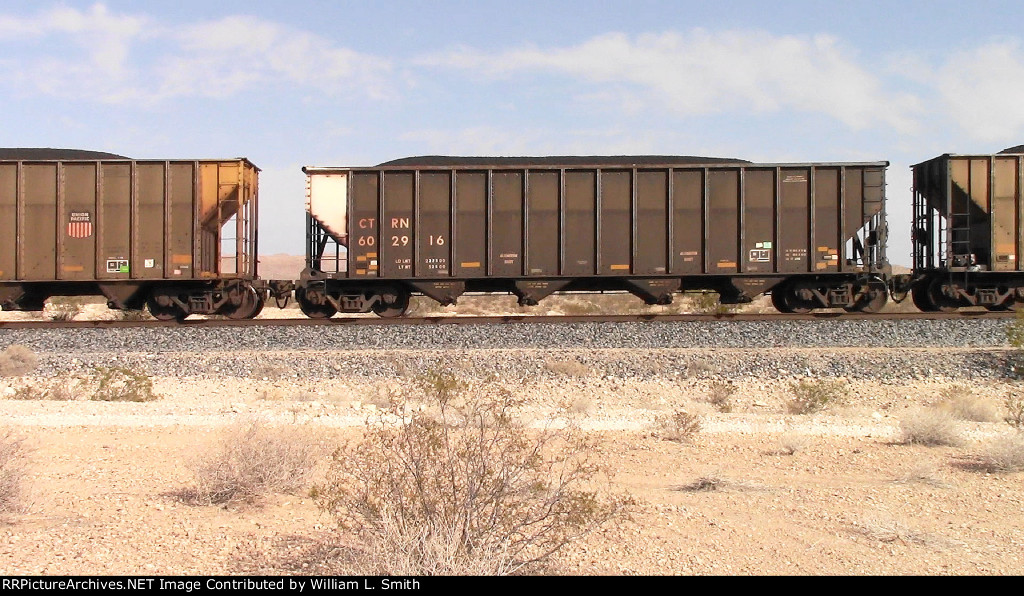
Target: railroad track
[{"x": 510, "y": 319}]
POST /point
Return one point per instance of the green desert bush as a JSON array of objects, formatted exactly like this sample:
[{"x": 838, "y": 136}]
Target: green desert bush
[
  {"x": 53, "y": 390},
  {"x": 814, "y": 395},
  {"x": 121, "y": 383}
]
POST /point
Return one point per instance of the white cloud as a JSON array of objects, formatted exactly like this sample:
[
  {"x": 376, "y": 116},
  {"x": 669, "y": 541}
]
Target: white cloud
[
  {"x": 982, "y": 90},
  {"x": 96, "y": 57},
  {"x": 119, "y": 58},
  {"x": 703, "y": 72},
  {"x": 220, "y": 58}
]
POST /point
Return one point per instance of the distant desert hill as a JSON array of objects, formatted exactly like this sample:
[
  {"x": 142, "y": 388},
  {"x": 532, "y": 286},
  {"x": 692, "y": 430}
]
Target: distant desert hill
[{"x": 281, "y": 266}]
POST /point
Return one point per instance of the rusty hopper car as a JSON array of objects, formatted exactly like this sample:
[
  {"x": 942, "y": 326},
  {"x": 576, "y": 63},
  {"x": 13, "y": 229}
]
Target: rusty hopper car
[
  {"x": 812, "y": 234},
  {"x": 176, "y": 235},
  {"x": 968, "y": 231}
]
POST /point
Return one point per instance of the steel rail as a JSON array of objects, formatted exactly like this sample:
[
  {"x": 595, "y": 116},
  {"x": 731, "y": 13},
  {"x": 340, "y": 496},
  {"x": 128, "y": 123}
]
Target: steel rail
[{"x": 512, "y": 319}]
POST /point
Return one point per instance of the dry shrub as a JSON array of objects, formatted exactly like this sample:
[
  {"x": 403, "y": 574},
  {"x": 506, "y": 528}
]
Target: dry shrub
[
  {"x": 929, "y": 426},
  {"x": 12, "y": 472},
  {"x": 887, "y": 529},
  {"x": 720, "y": 396},
  {"x": 63, "y": 312},
  {"x": 45, "y": 390},
  {"x": 252, "y": 461},
  {"x": 708, "y": 483},
  {"x": 924, "y": 473},
  {"x": 270, "y": 370},
  {"x": 582, "y": 406},
  {"x": 814, "y": 395},
  {"x": 699, "y": 368},
  {"x": 568, "y": 368},
  {"x": 385, "y": 396},
  {"x": 1006, "y": 454},
  {"x": 134, "y": 315},
  {"x": 17, "y": 360},
  {"x": 960, "y": 401},
  {"x": 715, "y": 482},
  {"x": 463, "y": 487},
  {"x": 680, "y": 426},
  {"x": 792, "y": 442},
  {"x": 1015, "y": 411}
]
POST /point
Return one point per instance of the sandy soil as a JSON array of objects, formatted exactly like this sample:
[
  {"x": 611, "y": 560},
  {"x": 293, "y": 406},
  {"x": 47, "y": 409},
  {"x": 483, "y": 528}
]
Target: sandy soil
[{"x": 105, "y": 483}]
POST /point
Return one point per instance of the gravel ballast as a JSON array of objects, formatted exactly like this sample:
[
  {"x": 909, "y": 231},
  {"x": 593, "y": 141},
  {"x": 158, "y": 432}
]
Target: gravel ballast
[
  {"x": 959, "y": 349},
  {"x": 968, "y": 332}
]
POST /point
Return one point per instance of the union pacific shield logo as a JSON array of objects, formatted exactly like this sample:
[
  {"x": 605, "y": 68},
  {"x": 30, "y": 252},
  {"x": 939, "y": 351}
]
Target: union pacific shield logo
[{"x": 80, "y": 224}]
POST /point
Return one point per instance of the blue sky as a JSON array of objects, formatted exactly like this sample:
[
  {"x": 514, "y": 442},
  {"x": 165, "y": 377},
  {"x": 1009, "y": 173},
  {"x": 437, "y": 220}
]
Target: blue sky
[{"x": 357, "y": 83}]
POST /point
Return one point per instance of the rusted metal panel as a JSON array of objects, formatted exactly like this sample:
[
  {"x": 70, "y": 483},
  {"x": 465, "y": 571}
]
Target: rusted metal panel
[
  {"x": 826, "y": 245},
  {"x": 615, "y": 225},
  {"x": 651, "y": 233},
  {"x": 149, "y": 231},
  {"x": 506, "y": 228},
  {"x": 470, "y": 224},
  {"x": 1005, "y": 205},
  {"x": 688, "y": 221},
  {"x": 580, "y": 231},
  {"x": 39, "y": 253},
  {"x": 114, "y": 252},
  {"x": 543, "y": 191},
  {"x": 397, "y": 225},
  {"x": 9, "y": 238},
  {"x": 433, "y": 235},
  {"x": 178, "y": 259},
  {"x": 982, "y": 249},
  {"x": 723, "y": 218},
  {"x": 758, "y": 255},
  {"x": 794, "y": 221},
  {"x": 363, "y": 246},
  {"x": 209, "y": 218},
  {"x": 209, "y": 191},
  {"x": 77, "y": 233},
  {"x": 852, "y": 204}
]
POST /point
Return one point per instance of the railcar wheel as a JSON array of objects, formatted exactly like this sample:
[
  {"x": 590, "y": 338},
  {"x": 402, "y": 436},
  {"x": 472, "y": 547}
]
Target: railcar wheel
[
  {"x": 250, "y": 305},
  {"x": 921, "y": 299},
  {"x": 779, "y": 298},
  {"x": 314, "y": 311},
  {"x": 794, "y": 303},
  {"x": 393, "y": 302},
  {"x": 171, "y": 312},
  {"x": 938, "y": 297},
  {"x": 874, "y": 300}
]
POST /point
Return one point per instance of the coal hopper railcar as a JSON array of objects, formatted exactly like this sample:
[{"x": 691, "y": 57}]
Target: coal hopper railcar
[
  {"x": 968, "y": 232},
  {"x": 178, "y": 236},
  {"x": 811, "y": 234}
]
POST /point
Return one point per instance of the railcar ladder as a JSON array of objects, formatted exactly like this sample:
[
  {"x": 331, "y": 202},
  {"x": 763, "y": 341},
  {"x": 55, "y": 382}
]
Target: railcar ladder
[{"x": 960, "y": 236}]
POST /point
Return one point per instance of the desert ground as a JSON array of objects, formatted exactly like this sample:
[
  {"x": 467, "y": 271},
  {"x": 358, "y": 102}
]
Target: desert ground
[{"x": 755, "y": 490}]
